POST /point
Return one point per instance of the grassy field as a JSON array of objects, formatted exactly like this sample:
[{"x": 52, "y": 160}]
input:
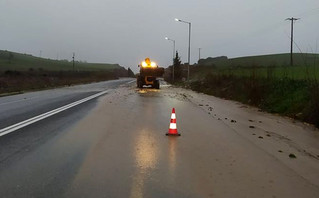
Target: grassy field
[
  {"x": 23, "y": 62},
  {"x": 21, "y": 72},
  {"x": 268, "y": 66},
  {"x": 274, "y": 60}
]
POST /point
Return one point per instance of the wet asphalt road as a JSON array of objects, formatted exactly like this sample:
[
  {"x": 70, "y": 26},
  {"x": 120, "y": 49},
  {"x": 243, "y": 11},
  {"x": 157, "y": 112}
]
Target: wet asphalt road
[
  {"x": 116, "y": 146},
  {"x": 17, "y": 108}
]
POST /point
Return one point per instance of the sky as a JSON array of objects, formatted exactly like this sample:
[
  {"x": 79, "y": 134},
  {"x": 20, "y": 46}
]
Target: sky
[{"x": 127, "y": 31}]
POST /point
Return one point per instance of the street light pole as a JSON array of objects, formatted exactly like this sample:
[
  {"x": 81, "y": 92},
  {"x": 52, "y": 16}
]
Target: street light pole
[
  {"x": 189, "y": 44},
  {"x": 173, "y": 55}
]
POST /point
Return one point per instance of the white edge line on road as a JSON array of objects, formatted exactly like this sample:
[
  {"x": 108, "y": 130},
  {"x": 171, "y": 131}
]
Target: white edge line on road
[
  {"x": 131, "y": 82},
  {"x": 27, "y": 122}
]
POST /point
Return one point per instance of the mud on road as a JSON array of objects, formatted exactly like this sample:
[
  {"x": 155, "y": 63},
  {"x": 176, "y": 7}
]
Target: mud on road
[
  {"x": 226, "y": 149},
  {"x": 119, "y": 149}
]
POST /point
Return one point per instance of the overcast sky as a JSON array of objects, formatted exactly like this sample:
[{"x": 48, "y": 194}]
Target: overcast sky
[{"x": 127, "y": 31}]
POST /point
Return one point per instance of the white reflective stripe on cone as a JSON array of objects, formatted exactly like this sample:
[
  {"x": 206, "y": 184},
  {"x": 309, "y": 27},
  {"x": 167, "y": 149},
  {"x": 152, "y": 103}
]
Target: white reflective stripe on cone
[
  {"x": 172, "y": 126},
  {"x": 173, "y": 116}
]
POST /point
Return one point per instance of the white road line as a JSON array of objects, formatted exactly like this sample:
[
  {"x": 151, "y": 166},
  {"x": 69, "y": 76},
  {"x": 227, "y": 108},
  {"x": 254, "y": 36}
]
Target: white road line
[
  {"x": 131, "y": 82},
  {"x": 27, "y": 122}
]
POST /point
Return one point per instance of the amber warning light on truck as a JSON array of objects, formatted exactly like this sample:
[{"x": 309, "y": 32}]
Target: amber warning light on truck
[{"x": 145, "y": 64}]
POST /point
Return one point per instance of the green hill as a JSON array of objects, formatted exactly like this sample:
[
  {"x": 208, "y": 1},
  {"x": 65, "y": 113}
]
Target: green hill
[
  {"x": 262, "y": 61},
  {"x": 24, "y": 62}
]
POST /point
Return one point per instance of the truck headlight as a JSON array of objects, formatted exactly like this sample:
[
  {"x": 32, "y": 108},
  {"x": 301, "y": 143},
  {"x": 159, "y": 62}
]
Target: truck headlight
[{"x": 144, "y": 64}]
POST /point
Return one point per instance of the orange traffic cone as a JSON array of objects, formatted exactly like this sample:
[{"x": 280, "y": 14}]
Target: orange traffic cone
[{"x": 172, "y": 131}]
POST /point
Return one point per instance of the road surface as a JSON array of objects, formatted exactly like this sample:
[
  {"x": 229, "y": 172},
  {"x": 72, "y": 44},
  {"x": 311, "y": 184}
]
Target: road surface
[{"x": 115, "y": 146}]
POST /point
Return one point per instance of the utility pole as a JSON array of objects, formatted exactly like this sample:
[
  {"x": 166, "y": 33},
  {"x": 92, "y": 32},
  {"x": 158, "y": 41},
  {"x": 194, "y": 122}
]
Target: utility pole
[
  {"x": 73, "y": 60},
  {"x": 292, "y": 19},
  {"x": 40, "y": 53},
  {"x": 199, "y": 53}
]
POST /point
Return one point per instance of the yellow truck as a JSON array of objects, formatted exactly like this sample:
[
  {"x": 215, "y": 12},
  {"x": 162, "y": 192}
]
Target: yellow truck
[{"x": 149, "y": 72}]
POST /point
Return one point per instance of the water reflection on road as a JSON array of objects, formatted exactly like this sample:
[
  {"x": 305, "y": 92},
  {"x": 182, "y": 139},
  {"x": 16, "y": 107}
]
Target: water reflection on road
[
  {"x": 146, "y": 159},
  {"x": 172, "y": 156}
]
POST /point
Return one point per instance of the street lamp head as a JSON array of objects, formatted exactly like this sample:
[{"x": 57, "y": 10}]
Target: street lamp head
[
  {"x": 166, "y": 38},
  {"x": 176, "y": 19}
]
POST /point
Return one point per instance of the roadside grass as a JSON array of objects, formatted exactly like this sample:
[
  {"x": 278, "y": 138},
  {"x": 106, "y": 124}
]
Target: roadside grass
[
  {"x": 295, "y": 72},
  {"x": 18, "y": 82},
  {"x": 296, "y": 98}
]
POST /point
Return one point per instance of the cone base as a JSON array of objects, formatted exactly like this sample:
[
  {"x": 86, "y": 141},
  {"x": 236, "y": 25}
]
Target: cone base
[{"x": 173, "y": 134}]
